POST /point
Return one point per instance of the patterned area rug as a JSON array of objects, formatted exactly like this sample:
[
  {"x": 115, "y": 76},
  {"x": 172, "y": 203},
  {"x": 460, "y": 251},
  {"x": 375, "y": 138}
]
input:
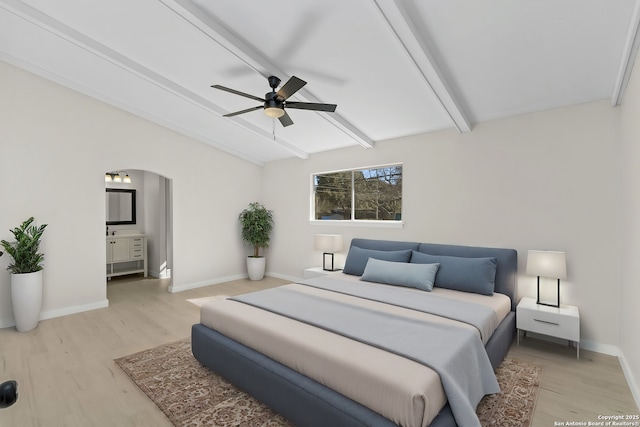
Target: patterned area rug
[{"x": 189, "y": 394}]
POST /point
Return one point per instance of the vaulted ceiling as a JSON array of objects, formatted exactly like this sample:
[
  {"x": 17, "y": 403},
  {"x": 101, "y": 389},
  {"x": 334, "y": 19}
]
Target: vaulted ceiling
[{"x": 393, "y": 67}]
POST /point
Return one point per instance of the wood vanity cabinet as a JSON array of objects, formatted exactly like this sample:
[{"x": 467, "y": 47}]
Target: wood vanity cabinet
[{"x": 126, "y": 254}]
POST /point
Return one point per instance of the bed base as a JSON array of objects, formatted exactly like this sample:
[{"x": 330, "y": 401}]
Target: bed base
[{"x": 300, "y": 399}]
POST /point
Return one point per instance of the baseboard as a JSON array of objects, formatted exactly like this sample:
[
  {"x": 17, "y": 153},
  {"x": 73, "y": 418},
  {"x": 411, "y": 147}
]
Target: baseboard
[
  {"x": 185, "y": 287},
  {"x": 631, "y": 381},
  {"x": 50, "y": 314},
  {"x": 7, "y": 323},
  {"x": 609, "y": 349}
]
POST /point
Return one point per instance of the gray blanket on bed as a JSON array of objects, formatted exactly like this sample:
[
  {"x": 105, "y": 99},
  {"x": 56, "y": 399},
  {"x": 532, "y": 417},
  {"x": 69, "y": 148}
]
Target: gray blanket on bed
[
  {"x": 482, "y": 318},
  {"x": 456, "y": 354}
]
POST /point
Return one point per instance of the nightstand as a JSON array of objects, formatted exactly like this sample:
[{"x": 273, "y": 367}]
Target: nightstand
[
  {"x": 562, "y": 322},
  {"x": 310, "y": 273}
]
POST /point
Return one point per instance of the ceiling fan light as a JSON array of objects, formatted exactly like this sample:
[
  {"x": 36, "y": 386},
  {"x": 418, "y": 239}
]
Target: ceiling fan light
[{"x": 274, "y": 112}]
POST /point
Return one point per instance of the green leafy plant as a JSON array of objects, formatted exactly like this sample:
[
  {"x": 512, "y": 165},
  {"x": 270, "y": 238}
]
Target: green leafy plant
[
  {"x": 257, "y": 223},
  {"x": 24, "y": 250}
]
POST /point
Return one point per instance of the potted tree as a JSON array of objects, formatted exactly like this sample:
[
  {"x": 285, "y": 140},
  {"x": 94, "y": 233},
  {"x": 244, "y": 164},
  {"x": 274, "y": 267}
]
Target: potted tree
[
  {"x": 26, "y": 274},
  {"x": 257, "y": 223}
]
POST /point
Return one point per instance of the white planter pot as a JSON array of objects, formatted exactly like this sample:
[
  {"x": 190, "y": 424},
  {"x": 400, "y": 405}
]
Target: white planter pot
[
  {"x": 256, "y": 267},
  {"x": 26, "y": 297}
]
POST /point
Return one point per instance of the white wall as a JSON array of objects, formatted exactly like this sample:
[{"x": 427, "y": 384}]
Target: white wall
[
  {"x": 541, "y": 181},
  {"x": 48, "y": 132},
  {"x": 630, "y": 321},
  {"x": 155, "y": 224}
]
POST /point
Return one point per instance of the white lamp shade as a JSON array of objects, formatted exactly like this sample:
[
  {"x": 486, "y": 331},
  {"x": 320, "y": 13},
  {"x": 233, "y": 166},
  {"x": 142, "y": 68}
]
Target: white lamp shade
[
  {"x": 328, "y": 243},
  {"x": 550, "y": 264}
]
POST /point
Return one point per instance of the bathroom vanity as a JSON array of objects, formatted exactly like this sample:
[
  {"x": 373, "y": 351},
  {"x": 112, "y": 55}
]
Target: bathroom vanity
[{"x": 126, "y": 254}]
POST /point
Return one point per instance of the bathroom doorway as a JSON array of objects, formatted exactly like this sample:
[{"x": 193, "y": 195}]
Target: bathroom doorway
[{"x": 150, "y": 218}]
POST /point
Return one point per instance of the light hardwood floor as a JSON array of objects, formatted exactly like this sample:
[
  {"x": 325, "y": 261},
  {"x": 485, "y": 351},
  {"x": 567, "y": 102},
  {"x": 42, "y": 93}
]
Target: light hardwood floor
[{"x": 67, "y": 376}]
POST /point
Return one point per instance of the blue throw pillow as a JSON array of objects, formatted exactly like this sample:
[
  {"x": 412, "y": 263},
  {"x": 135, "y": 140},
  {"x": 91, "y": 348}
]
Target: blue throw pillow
[
  {"x": 420, "y": 276},
  {"x": 357, "y": 258},
  {"x": 477, "y": 275}
]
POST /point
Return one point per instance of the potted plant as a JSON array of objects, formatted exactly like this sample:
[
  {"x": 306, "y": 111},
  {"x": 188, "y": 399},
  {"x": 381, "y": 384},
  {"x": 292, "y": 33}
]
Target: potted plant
[
  {"x": 26, "y": 274},
  {"x": 257, "y": 223}
]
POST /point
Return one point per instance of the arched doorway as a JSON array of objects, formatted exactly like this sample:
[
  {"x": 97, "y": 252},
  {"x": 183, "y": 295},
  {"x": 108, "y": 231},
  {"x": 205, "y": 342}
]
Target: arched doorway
[{"x": 143, "y": 214}]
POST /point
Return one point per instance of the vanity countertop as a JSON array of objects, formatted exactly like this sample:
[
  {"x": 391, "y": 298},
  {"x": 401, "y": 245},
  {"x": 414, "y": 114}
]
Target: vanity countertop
[{"x": 118, "y": 234}]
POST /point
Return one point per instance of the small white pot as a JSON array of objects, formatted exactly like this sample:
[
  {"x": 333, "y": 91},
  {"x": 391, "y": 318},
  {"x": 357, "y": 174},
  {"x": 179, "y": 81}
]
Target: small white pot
[
  {"x": 256, "y": 267},
  {"x": 26, "y": 297}
]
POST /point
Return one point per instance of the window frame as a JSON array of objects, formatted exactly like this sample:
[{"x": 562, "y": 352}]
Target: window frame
[{"x": 389, "y": 223}]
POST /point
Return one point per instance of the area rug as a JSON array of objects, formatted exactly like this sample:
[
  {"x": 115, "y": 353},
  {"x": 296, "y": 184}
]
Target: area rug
[{"x": 189, "y": 394}]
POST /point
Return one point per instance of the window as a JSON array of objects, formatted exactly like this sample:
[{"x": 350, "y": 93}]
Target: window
[{"x": 372, "y": 194}]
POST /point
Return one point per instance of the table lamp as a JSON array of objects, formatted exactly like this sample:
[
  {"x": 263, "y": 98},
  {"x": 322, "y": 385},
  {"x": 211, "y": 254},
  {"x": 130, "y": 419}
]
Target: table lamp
[
  {"x": 550, "y": 264},
  {"x": 328, "y": 244}
]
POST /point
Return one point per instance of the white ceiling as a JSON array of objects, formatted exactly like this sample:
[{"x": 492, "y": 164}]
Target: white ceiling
[{"x": 393, "y": 67}]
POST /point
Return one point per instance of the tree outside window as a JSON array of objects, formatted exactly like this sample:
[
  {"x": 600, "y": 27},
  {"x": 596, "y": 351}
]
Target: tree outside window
[{"x": 373, "y": 194}]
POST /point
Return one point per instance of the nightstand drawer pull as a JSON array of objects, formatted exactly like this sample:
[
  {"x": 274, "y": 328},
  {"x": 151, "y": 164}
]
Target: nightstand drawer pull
[{"x": 547, "y": 322}]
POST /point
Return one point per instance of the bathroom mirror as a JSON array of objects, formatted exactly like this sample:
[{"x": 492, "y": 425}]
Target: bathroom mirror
[{"x": 120, "y": 206}]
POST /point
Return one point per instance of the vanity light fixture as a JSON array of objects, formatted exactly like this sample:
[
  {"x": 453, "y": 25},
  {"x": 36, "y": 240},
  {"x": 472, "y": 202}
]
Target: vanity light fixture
[{"x": 117, "y": 177}]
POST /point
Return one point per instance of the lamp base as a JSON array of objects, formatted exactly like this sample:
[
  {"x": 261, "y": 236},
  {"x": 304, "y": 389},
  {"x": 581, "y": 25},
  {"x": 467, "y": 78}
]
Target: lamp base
[
  {"x": 557, "y": 305},
  {"x": 547, "y": 304},
  {"x": 324, "y": 262}
]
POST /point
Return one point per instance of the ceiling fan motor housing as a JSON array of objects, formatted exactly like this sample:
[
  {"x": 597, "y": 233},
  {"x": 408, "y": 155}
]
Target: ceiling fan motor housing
[{"x": 271, "y": 100}]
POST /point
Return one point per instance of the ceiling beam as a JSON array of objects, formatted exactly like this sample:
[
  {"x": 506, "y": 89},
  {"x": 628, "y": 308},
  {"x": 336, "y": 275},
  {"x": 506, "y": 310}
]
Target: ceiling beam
[
  {"x": 248, "y": 54},
  {"x": 629, "y": 54},
  {"x": 88, "y": 44},
  {"x": 405, "y": 29}
]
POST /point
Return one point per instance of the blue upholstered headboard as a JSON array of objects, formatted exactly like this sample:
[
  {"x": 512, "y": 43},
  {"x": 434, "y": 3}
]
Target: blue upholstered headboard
[{"x": 506, "y": 271}]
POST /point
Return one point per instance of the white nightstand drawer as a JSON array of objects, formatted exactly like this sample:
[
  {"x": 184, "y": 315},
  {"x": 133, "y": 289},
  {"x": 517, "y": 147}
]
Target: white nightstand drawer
[{"x": 565, "y": 327}]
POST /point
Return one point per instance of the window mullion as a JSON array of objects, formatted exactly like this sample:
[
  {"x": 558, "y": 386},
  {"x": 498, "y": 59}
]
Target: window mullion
[{"x": 353, "y": 196}]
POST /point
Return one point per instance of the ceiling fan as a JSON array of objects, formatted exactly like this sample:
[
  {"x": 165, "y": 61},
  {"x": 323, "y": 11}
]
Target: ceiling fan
[{"x": 274, "y": 103}]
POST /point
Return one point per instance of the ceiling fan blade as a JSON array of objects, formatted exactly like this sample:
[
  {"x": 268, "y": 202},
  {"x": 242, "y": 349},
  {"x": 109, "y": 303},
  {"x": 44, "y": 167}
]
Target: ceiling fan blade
[
  {"x": 259, "y": 107},
  {"x": 293, "y": 85},
  {"x": 312, "y": 106},
  {"x": 285, "y": 120},
  {"x": 237, "y": 92}
]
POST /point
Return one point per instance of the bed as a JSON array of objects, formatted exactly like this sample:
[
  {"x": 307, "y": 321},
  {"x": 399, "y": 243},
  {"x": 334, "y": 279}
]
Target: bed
[{"x": 314, "y": 375}]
